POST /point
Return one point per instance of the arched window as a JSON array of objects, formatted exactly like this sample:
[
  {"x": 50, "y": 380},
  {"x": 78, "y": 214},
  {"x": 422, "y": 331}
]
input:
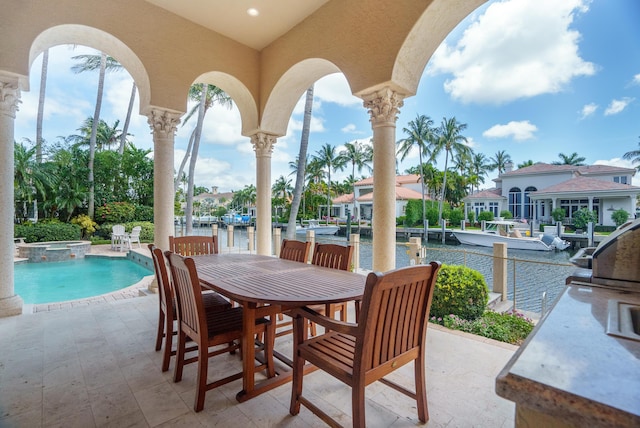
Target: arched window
[
  {"x": 515, "y": 202},
  {"x": 528, "y": 204}
]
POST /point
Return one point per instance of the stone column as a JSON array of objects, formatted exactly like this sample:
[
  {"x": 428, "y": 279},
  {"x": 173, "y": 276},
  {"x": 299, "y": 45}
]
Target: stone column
[
  {"x": 383, "y": 109},
  {"x": 263, "y": 145},
  {"x": 163, "y": 124},
  {"x": 10, "y": 303}
]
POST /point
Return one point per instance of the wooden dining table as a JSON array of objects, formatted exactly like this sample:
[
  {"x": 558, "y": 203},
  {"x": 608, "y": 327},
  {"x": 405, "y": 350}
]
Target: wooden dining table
[{"x": 265, "y": 286}]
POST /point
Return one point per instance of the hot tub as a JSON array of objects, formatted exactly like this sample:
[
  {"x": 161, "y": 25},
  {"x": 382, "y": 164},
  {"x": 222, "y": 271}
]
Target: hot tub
[{"x": 54, "y": 251}]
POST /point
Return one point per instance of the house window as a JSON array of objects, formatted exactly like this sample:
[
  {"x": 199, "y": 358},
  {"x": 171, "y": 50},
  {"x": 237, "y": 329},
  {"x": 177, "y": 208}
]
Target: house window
[
  {"x": 493, "y": 207},
  {"x": 478, "y": 207},
  {"x": 528, "y": 203},
  {"x": 515, "y": 202},
  {"x": 622, "y": 179}
]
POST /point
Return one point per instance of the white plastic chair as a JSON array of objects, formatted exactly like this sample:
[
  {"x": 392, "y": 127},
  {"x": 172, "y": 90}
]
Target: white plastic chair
[
  {"x": 117, "y": 236},
  {"x": 134, "y": 236}
]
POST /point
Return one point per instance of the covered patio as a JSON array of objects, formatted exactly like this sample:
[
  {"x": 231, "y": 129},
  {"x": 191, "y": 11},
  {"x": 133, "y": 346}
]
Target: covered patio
[
  {"x": 381, "y": 48},
  {"x": 95, "y": 365}
]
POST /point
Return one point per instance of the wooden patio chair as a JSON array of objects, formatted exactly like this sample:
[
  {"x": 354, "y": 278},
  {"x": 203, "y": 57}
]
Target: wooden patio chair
[
  {"x": 193, "y": 245},
  {"x": 335, "y": 257},
  {"x": 208, "y": 329},
  {"x": 391, "y": 332},
  {"x": 167, "y": 313},
  {"x": 297, "y": 251}
]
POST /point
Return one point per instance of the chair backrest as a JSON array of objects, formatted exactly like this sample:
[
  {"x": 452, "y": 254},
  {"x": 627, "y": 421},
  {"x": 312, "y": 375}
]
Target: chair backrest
[
  {"x": 117, "y": 229},
  {"x": 394, "y": 315},
  {"x": 164, "y": 285},
  {"x": 298, "y": 251},
  {"x": 332, "y": 256},
  {"x": 135, "y": 232},
  {"x": 191, "y": 313},
  {"x": 193, "y": 245}
]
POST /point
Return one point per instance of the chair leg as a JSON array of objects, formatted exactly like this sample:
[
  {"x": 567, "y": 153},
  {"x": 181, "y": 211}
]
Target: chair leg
[
  {"x": 161, "y": 330},
  {"x": 299, "y": 327},
  {"x": 168, "y": 344},
  {"x": 177, "y": 374},
  {"x": 357, "y": 406},
  {"x": 421, "y": 390},
  {"x": 201, "y": 389}
]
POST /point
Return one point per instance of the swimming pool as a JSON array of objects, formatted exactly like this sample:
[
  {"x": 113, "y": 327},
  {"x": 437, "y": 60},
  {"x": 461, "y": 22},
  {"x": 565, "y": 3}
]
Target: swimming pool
[{"x": 75, "y": 279}]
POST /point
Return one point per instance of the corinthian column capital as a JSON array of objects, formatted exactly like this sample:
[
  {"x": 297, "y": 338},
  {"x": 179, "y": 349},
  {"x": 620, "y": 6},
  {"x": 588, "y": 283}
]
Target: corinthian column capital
[
  {"x": 384, "y": 106},
  {"x": 9, "y": 97},
  {"x": 163, "y": 122},
  {"x": 263, "y": 144}
]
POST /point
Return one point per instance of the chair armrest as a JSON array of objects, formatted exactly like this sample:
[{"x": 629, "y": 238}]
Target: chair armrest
[{"x": 324, "y": 321}]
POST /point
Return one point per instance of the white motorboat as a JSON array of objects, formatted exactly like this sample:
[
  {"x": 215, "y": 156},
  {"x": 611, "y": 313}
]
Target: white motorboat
[
  {"x": 318, "y": 229},
  {"x": 505, "y": 231}
]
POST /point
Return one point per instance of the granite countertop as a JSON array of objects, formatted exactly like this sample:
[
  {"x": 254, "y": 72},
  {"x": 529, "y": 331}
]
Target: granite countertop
[{"x": 569, "y": 368}]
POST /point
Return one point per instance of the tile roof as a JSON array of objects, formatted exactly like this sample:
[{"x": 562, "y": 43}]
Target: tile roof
[
  {"x": 343, "y": 199},
  {"x": 584, "y": 184},
  {"x": 402, "y": 194},
  {"x": 400, "y": 179},
  {"x": 542, "y": 168},
  {"x": 486, "y": 194},
  {"x": 604, "y": 169}
]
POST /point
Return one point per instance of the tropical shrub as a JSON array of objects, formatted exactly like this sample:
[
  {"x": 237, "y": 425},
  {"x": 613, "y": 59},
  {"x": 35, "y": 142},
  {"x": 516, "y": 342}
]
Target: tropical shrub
[
  {"x": 115, "y": 212},
  {"x": 619, "y": 217},
  {"x": 413, "y": 212},
  {"x": 456, "y": 216},
  {"x": 460, "y": 291},
  {"x": 558, "y": 214},
  {"x": 471, "y": 216},
  {"x": 506, "y": 214},
  {"x": 143, "y": 213},
  {"x": 509, "y": 327},
  {"x": 147, "y": 232},
  {"x": 401, "y": 220},
  {"x": 87, "y": 225},
  {"x": 45, "y": 232},
  {"x": 582, "y": 217},
  {"x": 485, "y": 215}
]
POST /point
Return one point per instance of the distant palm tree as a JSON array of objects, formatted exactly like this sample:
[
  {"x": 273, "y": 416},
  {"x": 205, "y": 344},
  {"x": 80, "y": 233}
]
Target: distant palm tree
[
  {"x": 499, "y": 161},
  {"x": 282, "y": 188},
  {"x": 328, "y": 158},
  {"x": 360, "y": 156},
  {"x": 525, "y": 164},
  {"x": 633, "y": 156},
  {"x": 421, "y": 135},
  {"x": 449, "y": 139},
  {"x": 573, "y": 159},
  {"x": 480, "y": 167},
  {"x": 30, "y": 176},
  {"x": 302, "y": 163}
]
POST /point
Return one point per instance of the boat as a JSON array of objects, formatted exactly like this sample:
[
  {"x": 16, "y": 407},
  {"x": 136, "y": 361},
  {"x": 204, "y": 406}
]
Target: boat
[
  {"x": 318, "y": 229},
  {"x": 506, "y": 232}
]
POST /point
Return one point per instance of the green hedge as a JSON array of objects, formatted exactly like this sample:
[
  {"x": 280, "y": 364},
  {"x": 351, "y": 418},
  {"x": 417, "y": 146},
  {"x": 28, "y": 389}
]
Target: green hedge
[
  {"x": 45, "y": 232},
  {"x": 460, "y": 291}
]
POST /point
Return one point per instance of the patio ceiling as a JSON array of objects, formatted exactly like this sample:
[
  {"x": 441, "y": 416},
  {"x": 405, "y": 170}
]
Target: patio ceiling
[{"x": 232, "y": 18}]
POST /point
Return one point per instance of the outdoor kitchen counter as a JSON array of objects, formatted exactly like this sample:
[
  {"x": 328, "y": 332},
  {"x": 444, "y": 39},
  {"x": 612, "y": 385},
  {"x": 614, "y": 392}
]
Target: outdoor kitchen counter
[{"x": 569, "y": 372}]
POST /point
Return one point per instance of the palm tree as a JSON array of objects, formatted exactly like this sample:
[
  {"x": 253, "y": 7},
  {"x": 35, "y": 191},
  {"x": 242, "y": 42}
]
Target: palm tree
[
  {"x": 573, "y": 159},
  {"x": 449, "y": 139},
  {"x": 421, "y": 134},
  {"x": 43, "y": 89},
  {"x": 633, "y": 156},
  {"x": 499, "y": 161},
  {"x": 525, "y": 164},
  {"x": 88, "y": 63},
  {"x": 328, "y": 158},
  {"x": 30, "y": 176},
  {"x": 206, "y": 95},
  {"x": 480, "y": 167},
  {"x": 360, "y": 156},
  {"x": 302, "y": 161}
]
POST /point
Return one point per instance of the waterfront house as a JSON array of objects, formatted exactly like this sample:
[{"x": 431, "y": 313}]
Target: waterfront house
[{"x": 534, "y": 191}]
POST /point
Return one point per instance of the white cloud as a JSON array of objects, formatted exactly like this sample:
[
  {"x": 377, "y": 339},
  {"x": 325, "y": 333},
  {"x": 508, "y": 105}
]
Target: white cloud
[
  {"x": 516, "y": 49},
  {"x": 617, "y": 106},
  {"x": 636, "y": 79},
  {"x": 335, "y": 89},
  {"x": 588, "y": 110},
  {"x": 519, "y": 131},
  {"x": 350, "y": 129}
]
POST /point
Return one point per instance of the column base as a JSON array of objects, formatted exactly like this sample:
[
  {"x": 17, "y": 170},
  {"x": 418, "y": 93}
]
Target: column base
[{"x": 11, "y": 306}]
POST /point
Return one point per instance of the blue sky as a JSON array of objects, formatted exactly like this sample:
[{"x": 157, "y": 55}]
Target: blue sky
[{"x": 532, "y": 77}]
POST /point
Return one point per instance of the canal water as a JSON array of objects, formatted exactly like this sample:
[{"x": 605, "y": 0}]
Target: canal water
[{"x": 536, "y": 278}]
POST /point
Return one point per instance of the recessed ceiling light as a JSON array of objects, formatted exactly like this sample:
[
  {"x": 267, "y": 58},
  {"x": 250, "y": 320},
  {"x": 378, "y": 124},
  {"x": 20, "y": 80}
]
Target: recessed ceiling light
[{"x": 253, "y": 11}]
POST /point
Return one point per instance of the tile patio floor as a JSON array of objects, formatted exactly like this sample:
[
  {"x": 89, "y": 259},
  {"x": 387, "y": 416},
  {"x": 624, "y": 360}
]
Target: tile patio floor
[{"x": 94, "y": 365}]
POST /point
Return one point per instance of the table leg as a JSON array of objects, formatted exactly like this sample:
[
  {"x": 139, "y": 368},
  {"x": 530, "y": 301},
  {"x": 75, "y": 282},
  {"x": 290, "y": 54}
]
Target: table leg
[{"x": 248, "y": 351}]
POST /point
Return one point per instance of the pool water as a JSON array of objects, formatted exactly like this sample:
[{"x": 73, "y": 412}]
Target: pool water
[{"x": 74, "y": 279}]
